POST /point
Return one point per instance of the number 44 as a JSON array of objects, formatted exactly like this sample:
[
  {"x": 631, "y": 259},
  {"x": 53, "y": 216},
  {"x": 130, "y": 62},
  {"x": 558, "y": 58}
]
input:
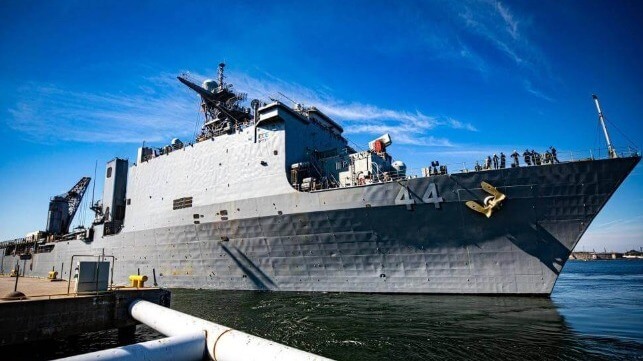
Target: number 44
[{"x": 430, "y": 196}]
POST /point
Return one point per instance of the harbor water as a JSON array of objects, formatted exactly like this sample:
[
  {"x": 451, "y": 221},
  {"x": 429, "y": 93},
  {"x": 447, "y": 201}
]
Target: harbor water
[{"x": 595, "y": 312}]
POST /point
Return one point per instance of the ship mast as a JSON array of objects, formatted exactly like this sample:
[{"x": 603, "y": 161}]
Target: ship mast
[
  {"x": 610, "y": 148},
  {"x": 221, "y": 106},
  {"x": 220, "y": 75}
]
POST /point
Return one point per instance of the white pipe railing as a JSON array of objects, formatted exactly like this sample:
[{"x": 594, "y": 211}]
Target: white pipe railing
[
  {"x": 188, "y": 346},
  {"x": 222, "y": 343}
]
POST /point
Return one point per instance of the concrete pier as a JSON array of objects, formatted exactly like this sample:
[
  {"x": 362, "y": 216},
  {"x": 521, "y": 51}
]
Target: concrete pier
[{"x": 49, "y": 312}]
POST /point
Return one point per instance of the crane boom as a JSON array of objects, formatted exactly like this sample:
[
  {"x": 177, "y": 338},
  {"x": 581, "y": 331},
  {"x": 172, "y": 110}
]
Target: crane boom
[
  {"x": 75, "y": 196},
  {"x": 62, "y": 208}
]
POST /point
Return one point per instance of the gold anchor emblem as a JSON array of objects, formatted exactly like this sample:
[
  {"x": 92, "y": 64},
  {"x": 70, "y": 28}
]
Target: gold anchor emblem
[{"x": 490, "y": 202}]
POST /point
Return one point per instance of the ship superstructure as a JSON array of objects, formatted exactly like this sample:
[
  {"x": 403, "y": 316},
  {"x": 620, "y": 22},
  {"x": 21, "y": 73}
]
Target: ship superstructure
[{"x": 272, "y": 197}]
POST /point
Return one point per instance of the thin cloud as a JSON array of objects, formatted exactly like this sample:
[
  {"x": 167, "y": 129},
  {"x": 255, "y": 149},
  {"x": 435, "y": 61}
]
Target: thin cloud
[
  {"x": 456, "y": 124},
  {"x": 619, "y": 223},
  {"x": 486, "y": 36},
  {"x": 407, "y": 127},
  {"x": 473, "y": 58},
  {"x": 496, "y": 24},
  {"x": 493, "y": 23},
  {"x": 164, "y": 109},
  {"x": 49, "y": 114},
  {"x": 510, "y": 22},
  {"x": 530, "y": 89},
  {"x": 626, "y": 234}
]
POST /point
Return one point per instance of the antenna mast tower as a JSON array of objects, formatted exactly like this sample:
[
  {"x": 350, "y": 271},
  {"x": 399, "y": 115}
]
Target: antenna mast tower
[{"x": 610, "y": 148}]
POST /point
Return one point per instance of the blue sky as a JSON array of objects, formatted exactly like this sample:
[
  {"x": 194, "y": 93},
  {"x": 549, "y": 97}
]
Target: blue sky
[{"x": 82, "y": 82}]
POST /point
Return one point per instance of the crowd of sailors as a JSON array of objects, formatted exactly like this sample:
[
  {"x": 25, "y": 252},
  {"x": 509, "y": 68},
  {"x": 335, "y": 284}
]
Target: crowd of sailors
[
  {"x": 437, "y": 169},
  {"x": 531, "y": 157}
]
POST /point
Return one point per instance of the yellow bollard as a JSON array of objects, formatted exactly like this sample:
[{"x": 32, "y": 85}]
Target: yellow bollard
[
  {"x": 138, "y": 281},
  {"x": 52, "y": 275}
]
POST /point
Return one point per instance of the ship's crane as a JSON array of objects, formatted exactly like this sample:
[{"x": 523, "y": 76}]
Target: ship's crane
[{"x": 63, "y": 207}]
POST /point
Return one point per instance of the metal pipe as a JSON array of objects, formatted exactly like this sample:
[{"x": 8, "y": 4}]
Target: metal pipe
[
  {"x": 223, "y": 343},
  {"x": 15, "y": 287},
  {"x": 96, "y": 275},
  {"x": 185, "y": 347},
  {"x": 610, "y": 149}
]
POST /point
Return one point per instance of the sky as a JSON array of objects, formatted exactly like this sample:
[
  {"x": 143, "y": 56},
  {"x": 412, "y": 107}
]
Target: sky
[{"x": 83, "y": 82}]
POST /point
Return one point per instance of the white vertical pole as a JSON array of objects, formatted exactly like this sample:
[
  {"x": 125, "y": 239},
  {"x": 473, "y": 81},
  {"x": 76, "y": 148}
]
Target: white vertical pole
[{"x": 610, "y": 149}]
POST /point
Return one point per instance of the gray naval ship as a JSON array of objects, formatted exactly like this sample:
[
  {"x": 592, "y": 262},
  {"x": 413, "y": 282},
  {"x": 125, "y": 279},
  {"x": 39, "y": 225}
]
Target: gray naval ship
[{"x": 272, "y": 197}]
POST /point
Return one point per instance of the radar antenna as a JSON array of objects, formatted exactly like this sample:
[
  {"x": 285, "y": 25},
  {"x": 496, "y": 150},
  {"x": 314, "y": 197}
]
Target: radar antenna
[
  {"x": 297, "y": 106},
  {"x": 221, "y": 106},
  {"x": 220, "y": 75}
]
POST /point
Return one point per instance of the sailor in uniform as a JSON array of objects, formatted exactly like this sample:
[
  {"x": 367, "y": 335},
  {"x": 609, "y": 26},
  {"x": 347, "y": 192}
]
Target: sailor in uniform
[
  {"x": 553, "y": 154},
  {"x": 515, "y": 156},
  {"x": 527, "y": 155}
]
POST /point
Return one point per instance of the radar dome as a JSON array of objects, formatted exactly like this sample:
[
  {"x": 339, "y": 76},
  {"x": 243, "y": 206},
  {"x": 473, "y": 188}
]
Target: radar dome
[
  {"x": 399, "y": 167},
  {"x": 210, "y": 85},
  {"x": 177, "y": 143}
]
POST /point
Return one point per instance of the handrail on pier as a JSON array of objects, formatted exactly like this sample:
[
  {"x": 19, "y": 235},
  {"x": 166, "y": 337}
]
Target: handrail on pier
[
  {"x": 222, "y": 343},
  {"x": 191, "y": 338}
]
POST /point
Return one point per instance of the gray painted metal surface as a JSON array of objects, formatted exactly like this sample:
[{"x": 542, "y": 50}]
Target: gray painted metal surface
[
  {"x": 279, "y": 201},
  {"x": 359, "y": 240}
]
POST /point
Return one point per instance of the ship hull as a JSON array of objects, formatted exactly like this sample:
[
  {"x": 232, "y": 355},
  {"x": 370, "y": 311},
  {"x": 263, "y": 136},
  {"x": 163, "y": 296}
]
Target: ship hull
[{"x": 369, "y": 239}]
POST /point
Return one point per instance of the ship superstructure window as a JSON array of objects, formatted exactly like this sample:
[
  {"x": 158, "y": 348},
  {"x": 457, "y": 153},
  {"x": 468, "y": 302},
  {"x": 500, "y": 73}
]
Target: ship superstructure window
[
  {"x": 109, "y": 172},
  {"x": 185, "y": 202}
]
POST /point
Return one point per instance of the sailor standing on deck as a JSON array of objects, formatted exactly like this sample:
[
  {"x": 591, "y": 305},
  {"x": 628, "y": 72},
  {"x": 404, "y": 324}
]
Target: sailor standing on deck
[
  {"x": 527, "y": 155},
  {"x": 503, "y": 160},
  {"x": 495, "y": 161},
  {"x": 76, "y": 270},
  {"x": 535, "y": 156},
  {"x": 515, "y": 156},
  {"x": 553, "y": 154},
  {"x": 487, "y": 162}
]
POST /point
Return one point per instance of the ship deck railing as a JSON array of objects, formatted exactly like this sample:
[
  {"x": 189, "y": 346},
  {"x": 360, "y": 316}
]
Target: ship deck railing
[
  {"x": 564, "y": 156},
  {"x": 15, "y": 242}
]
